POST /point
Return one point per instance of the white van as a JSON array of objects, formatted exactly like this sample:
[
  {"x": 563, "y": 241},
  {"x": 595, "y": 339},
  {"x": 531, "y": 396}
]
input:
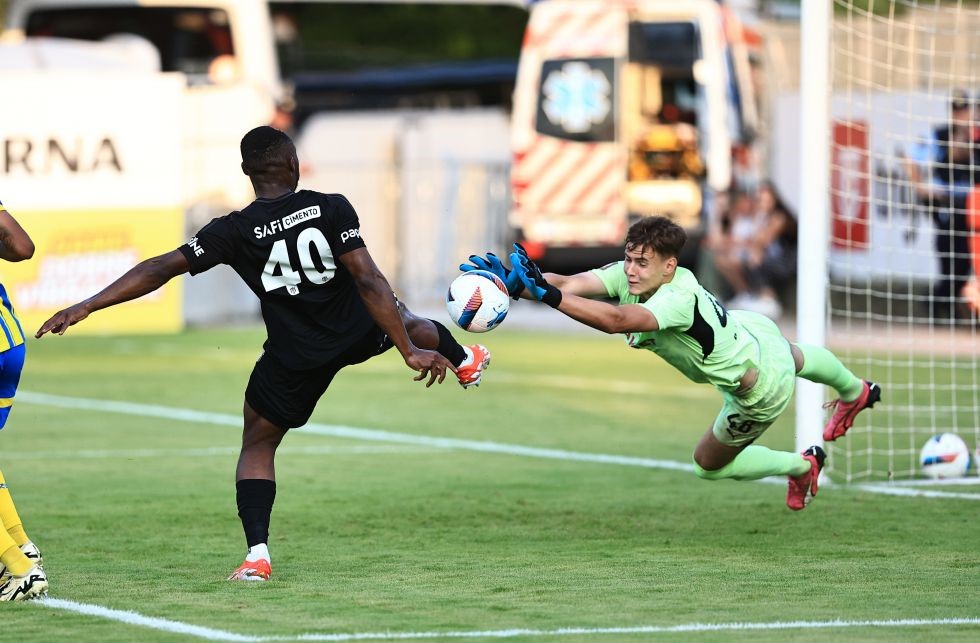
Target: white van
[{"x": 621, "y": 110}]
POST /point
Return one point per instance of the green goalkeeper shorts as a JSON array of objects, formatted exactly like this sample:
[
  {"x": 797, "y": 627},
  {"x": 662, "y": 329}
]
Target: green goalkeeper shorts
[{"x": 744, "y": 418}]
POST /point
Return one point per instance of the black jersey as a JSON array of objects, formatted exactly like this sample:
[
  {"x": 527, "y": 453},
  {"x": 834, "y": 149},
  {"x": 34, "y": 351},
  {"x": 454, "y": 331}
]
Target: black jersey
[{"x": 286, "y": 250}]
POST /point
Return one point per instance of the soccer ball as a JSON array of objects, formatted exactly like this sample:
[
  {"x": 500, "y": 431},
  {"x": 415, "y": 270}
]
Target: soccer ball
[
  {"x": 945, "y": 456},
  {"x": 477, "y": 301}
]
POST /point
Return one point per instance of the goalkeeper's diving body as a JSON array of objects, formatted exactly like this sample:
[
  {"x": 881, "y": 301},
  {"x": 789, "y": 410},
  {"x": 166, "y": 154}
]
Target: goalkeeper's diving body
[{"x": 662, "y": 308}]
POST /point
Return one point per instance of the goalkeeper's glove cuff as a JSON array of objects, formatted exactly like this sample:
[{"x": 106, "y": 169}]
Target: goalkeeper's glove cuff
[{"x": 552, "y": 296}]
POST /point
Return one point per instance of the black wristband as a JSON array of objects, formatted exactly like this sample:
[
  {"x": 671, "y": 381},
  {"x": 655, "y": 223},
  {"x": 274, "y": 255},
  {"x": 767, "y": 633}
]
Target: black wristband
[{"x": 552, "y": 296}]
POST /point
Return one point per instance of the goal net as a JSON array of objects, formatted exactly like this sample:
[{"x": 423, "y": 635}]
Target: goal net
[{"x": 904, "y": 234}]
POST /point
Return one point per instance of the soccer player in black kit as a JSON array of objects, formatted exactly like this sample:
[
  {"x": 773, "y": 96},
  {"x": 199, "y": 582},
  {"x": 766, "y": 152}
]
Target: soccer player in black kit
[{"x": 325, "y": 304}]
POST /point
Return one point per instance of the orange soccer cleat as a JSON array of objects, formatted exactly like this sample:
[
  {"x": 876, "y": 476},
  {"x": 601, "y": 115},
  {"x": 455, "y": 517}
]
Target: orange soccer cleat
[{"x": 471, "y": 370}]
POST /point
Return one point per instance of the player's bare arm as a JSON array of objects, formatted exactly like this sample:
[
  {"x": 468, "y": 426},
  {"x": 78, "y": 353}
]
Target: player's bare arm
[
  {"x": 15, "y": 243},
  {"x": 609, "y": 318},
  {"x": 143, "y": 278},
  {"x": 560, "y": 292},
  {"x": 583, "y": 284},
  {"x": 376, "y": 293}
]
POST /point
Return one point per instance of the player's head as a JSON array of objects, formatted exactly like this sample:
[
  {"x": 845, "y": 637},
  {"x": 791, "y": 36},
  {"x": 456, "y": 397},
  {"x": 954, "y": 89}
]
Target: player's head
[
  {"x": 652, "y": 247},
  {"x": 269, "y": 156},
  {"x": 960, "y": 107}
]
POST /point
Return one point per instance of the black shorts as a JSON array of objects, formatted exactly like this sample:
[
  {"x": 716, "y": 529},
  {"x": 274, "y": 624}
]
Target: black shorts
[{"x": 286, "y": 397}]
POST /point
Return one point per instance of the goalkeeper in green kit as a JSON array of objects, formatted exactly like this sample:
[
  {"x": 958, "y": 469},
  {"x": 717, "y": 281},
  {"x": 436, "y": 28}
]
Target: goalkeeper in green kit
[{"x": 662, "y": 308}]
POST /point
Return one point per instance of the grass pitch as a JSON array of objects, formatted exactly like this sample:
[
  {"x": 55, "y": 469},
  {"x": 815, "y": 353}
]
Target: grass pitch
[{"x": 134, "y": 508}]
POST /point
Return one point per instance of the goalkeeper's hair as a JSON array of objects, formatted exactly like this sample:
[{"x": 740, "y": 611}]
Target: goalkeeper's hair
[
  {"x": 659, "y": 234},
  {"x": 266, "y": 150}
]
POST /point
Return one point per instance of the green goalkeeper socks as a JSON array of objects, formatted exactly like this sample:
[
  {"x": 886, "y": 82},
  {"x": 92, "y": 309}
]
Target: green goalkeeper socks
[
  {"x": 755, "y": 462},
  {"x": 823, "y": 367}
]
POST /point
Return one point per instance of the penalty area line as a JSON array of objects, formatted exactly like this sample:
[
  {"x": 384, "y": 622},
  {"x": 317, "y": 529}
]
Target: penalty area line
[
  {"x": 176, "y": 627},
  {"x": 378, "y": 435}
]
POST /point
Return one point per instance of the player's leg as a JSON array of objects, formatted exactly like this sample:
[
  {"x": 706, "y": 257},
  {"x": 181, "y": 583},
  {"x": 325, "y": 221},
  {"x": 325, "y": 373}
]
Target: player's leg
[
  {"x": 727, "y": 450},
  {"x": 276, "y": 399},
  {"x": 21, "y": 577},
  {"x": 255, "y": 492},
  {"x": 718, "y": 460},
  {"x": 470, "y": 361},
  {"x": 21, "y": 574},
  {"x": 817, "y": 364},
  {"x": 13, "y": 526}
]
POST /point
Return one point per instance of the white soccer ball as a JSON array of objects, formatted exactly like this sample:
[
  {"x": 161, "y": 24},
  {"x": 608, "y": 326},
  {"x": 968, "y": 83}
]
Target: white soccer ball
[
  {"x": 945, "y": 456},
  {"x": 477, "y": 301}
]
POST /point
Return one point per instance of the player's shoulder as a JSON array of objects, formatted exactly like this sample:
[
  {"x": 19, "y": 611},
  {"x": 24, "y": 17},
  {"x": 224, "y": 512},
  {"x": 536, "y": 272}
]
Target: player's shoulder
[
  {"x": 222, "y": 222},
  {"x": 334, "y": 199},
  {"x": 683, "y": 283},
  {"x": 333, "y": 203}
]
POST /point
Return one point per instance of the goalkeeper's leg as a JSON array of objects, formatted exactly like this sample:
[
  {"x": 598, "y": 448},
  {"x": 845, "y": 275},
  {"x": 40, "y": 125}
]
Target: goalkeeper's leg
[
  {"x": 817, "y": 364},
  {"x": 714, "y": 460}
]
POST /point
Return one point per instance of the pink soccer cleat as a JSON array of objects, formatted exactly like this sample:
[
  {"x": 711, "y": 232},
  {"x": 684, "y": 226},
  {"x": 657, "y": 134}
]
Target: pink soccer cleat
[
  {"x": 802, "y": 489},
  {"x": 844, "y": 412}
]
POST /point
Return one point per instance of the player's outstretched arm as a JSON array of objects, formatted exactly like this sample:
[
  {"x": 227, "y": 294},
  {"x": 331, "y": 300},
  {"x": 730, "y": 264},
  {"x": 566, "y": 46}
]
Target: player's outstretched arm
[
  {"x": 15, "y": 243},
  {"x": 380, "y": 302},
  {"x": 143, "y": 278},
  {"x": 600, "y": 315},
  {"x": 582, "y": 284}
]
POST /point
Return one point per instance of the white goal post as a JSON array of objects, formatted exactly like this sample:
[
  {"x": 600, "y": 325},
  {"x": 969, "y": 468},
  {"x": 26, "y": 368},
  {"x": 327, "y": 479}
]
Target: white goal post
[{"x": 890, "y": 223}]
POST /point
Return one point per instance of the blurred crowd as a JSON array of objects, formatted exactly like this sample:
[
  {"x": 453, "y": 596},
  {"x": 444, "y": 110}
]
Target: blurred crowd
[
  {"x": 748, "y": 255},
  {"x": 943, "y": 171}
]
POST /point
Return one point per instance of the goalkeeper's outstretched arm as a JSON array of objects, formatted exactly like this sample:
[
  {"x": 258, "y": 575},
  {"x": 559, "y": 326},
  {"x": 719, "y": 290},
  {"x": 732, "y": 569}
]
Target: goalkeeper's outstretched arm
[
  {"x": 569, "y": 294},
  {"x": 609, "y": 318},
  {"x": 583, "y": 284}
]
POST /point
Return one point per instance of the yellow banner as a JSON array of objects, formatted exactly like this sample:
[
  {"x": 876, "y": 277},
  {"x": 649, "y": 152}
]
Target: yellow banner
[{"x": 80, "y": 252}]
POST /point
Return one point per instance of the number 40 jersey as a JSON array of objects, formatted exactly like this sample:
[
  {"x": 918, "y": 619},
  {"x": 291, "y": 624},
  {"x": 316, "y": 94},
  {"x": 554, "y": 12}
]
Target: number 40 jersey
[{"x": 287, "y": 249}]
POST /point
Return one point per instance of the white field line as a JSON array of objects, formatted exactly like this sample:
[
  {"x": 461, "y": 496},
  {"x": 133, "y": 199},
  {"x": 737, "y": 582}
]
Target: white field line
[
  {"x": 376, "y": 435},
  {"x": 135, "y": 618},
  {"x": 176, "y": 627},
  {"x": 645, "y": 629},
  {"x": 204, "y": 452}
]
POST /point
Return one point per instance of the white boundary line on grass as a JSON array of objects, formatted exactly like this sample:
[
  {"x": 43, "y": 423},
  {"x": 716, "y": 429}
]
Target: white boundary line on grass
[
  {"x": 211, "y": 634},
  {"x": 135, "y": 618},
  {"x": 208, "y": 452},
  {"x": 377, "y": 435}
]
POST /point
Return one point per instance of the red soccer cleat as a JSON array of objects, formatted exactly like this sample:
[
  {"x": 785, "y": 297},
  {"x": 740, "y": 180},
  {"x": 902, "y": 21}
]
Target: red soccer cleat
[
  {"x": 844, "y": 412},
  {"x": 802, "y": 489},
  {"x": 471, "y": 370},
  {"x": 259, "y": 570}
]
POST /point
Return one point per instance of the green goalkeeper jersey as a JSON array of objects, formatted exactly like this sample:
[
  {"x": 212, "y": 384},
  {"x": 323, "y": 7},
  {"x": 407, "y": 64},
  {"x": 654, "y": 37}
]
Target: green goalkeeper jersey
[{"x": 697, "y": 335}]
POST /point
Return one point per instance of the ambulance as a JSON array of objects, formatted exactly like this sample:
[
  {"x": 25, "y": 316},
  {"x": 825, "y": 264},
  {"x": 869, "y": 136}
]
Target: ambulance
[{"x": 622, "y": 109}]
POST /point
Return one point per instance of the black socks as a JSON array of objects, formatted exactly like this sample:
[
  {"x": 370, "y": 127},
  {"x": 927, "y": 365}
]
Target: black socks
[
  {"x": 448, "y": 346},
  {"x": 255, "y": 498}
]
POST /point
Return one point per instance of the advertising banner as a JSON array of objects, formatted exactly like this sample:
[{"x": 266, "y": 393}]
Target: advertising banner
[
  {"x": 90, "y": 164},
  {"x": 79, "y": 252}
]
